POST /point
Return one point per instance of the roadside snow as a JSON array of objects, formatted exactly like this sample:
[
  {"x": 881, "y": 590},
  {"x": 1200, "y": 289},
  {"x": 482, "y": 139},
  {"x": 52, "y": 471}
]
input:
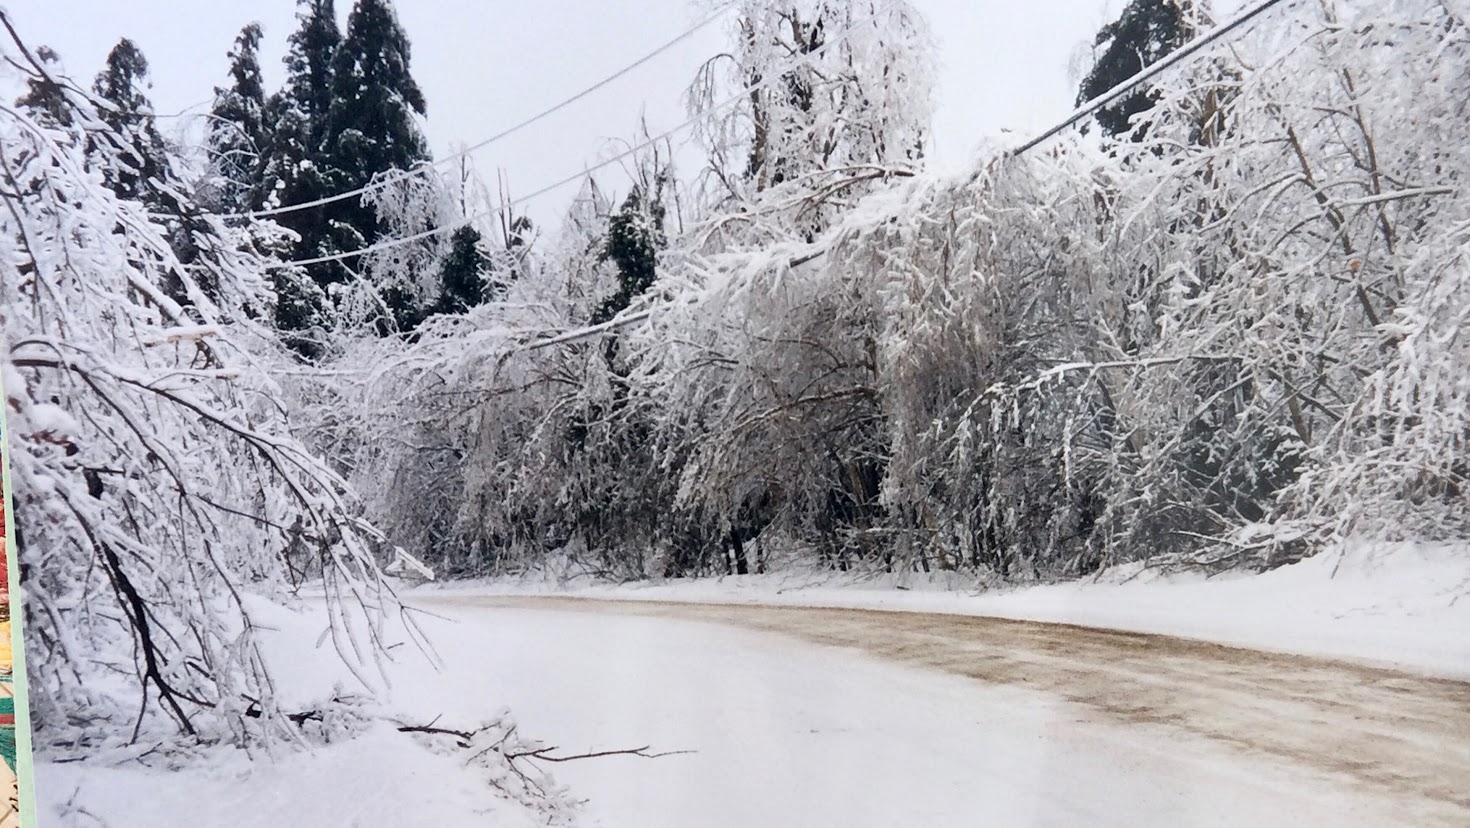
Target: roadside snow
[
  {"x": 376, "y": 779},
  {"x": 379, "y": 777},
  {"x": 1404, "y": 606}
]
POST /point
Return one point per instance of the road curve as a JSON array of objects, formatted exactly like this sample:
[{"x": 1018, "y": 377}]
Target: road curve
[{"x": 1400, "y": 736}]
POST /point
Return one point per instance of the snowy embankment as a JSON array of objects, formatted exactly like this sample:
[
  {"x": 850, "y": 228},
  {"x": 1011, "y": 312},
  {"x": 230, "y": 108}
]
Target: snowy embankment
[{"x": 1405, "y": 606}]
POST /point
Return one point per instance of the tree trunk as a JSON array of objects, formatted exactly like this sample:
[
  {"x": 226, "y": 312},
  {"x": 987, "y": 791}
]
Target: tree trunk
[{"x": 742, "y": 567}]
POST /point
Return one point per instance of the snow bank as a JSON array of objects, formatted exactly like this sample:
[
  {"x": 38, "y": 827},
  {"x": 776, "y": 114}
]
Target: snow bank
[{"x": 1402, "y": 605}]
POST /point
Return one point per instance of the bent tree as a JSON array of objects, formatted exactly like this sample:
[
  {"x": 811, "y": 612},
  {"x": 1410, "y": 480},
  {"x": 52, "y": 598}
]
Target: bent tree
[{"x": 156, "y": 474}]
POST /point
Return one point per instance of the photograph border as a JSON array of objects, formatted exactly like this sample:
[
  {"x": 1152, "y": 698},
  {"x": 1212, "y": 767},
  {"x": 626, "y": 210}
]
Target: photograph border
[{"x": 24, "y": 767}]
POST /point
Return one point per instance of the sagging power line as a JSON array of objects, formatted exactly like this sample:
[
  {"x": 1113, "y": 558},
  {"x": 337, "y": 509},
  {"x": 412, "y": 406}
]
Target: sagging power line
[{"x": 1148, "y": 72}]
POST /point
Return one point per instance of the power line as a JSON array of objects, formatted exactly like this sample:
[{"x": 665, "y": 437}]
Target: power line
[
  {"x": 543, "y": 114},
  {"x": 1127, "y": 86},
  {"x": 738, "y": 97}
]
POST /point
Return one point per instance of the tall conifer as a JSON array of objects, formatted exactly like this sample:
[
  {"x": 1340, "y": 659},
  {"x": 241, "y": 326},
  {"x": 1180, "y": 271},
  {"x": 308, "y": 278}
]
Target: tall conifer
[
  {"x": 372, "y": 129},
  {"x": 236, "y": 136}
]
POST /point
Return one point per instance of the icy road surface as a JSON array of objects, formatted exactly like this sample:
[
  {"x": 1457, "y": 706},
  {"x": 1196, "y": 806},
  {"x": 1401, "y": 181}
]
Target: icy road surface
[{"x": 805, "y": 716}]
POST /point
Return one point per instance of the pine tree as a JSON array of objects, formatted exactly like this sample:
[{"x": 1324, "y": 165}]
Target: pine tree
[
  {"x": 1146, "y": 32},
  {"x": 236, "y": 134},
  {"x": 634, "y": 237}
]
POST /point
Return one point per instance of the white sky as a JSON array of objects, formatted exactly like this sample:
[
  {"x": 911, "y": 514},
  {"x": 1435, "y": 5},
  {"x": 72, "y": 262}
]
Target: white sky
[{"x": 485, "y": 64}]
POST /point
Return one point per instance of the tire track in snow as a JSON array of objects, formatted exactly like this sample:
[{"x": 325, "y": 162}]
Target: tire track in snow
[{"x": 1399, "y": 735}]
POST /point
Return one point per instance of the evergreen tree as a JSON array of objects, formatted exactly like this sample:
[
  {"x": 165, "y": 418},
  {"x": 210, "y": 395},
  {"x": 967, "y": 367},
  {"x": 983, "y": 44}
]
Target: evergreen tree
[
  {"x": 346, "y": 114},
  {"x": 129, "y": 115},
  {"x": 44, "y": 96},
  {"x": 463, "y": 273},
  {"x": 372, "y": 127},
  {"x": 295, "y": 171},
  {"x": 296, "y": 120},
  {"x": 142, "y": 168},
  {"x": 634, "y": 237},
  {"x": 236, "y": 126},
  {"x": 1146, "y": 32},
  {"x": 309, "y": 66}
]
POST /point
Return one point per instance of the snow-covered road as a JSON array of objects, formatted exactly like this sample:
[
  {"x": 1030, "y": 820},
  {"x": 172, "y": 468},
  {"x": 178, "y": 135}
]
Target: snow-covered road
[
  {"x": 843, "y": 717},
  {"x": 815, "y": 717}
]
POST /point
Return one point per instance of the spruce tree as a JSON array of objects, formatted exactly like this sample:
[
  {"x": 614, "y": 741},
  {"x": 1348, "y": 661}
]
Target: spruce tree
[{"x": 1146, "y": 32}]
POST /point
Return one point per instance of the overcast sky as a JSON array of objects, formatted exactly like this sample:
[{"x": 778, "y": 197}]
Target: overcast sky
[{"x": 485, "y": 64}]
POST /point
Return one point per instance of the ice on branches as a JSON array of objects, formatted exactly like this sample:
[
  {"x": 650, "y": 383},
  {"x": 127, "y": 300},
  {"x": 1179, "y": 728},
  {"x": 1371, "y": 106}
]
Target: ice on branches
[{"x": 156, "y": 474}]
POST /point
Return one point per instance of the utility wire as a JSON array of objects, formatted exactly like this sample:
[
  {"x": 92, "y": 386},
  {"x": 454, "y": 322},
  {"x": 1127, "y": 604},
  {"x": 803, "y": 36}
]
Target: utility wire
[
  {"x": 543, "y": 114},
  {"x": 738, "y": 97}
]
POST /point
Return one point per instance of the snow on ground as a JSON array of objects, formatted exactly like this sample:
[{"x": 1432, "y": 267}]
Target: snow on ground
[
  {"x": 1403, "y": 605},
  {"x": 374, "y": 780},
  {"x": 783, "y": 733},
  {"x": 377, "y": 778}
]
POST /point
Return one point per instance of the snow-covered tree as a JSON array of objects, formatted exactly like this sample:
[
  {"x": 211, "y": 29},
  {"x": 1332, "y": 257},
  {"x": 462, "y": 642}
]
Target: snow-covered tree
[
  {"x": 372, "y": 131},
  {"x": 295, "y": 171},
  {"x": 156, "y": 476},
  {"x": 128, "y": 113},
  {"x": 1230, "y": 342},
  {"x": 235, "y": 135}
]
